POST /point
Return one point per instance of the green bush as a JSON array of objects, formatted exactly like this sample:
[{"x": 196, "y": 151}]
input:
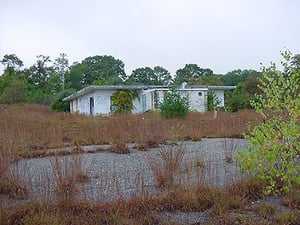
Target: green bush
[
  {"x": 273, "y": 153},
  {"x": 15, "y": 93},
  {"x": 59, "y": 105},
  {"x": 213, "y": 102},
  {"x": 174, "y": 104},
  {"x": 122, "y": 101}
]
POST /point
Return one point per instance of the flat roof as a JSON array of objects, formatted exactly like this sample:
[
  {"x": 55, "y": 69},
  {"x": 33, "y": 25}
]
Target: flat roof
[
  {"x": 215, "y": 87},
  {"x": 110, "y": 87},
  {"x": 141, "y": 87}
]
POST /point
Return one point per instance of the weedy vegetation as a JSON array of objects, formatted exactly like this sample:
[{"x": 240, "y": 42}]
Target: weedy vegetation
[
  {"x": 271, "y": 164},
  {"x": 29, "y": 131}
]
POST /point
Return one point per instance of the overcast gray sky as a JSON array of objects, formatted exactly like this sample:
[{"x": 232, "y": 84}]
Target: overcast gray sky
[{"x": 219, "y": 34}]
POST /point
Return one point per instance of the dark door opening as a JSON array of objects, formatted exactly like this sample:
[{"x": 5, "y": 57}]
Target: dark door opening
[{"x": 91, "y": 106}]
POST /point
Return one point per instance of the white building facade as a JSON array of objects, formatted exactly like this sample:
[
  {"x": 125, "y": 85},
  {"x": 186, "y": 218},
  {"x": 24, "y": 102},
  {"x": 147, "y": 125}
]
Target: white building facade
[{"x": 96, "y": 100}]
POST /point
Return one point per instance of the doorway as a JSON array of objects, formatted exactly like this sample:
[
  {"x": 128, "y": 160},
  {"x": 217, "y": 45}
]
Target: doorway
[{"x": 92, "y": 106}]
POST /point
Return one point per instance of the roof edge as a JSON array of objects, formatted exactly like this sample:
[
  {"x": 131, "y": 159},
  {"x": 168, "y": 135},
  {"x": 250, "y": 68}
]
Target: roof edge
[{"x": 140, "y": 87}]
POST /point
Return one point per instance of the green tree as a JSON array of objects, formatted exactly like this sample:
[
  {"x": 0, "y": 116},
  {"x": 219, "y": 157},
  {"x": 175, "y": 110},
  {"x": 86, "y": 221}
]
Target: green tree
[
  {"x": 148, "y": 76},
  {"x": 38, "y": 96},
  {"x": 12, "y": 63},
  {"x": 273, "y": 153},
  {"x": 237, "y": 76},
  {"x": 163, "y": 76},
  {"x": 295, "y": 61},
  {"x": 53, "y": 84},
  {"x": 2, "y": 84},
  {"x": 74, "y": 77},
  {"x": 237, "y": 99},
  {"x": 143, "y": 75},
  {"x": 61, "y": 67},
  {"x": 188, "y": 74},
  {"x": 241, "y": 97},
  {"x": 38, "y": 74},
  {"x": 102, "y": 69},
  {"x": 15, "y": 93},
  {"x": 174, "y": 104},
  {"x": 209, "y": 80},
  {"x": 191, "y": 73},
  {"x": 6, "y": 80}
]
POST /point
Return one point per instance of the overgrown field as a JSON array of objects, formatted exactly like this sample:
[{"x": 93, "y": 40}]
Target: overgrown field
[
  {"x": 30, "y": 130},
  {"x": 26, "y": 128}
]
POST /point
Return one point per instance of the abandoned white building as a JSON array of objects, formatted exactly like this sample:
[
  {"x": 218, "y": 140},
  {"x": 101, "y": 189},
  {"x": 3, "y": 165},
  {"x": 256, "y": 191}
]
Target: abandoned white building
[{"x": 97, "y": 100}]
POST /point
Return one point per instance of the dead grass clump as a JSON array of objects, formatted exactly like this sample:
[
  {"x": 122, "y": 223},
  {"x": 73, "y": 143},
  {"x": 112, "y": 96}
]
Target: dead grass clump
[
  {"x": 147, "y": 130},
  {"x": 166, "y": 165},
  {"x": 223, "y": 203},
  {"x": 42, "y": 218},
  {"x": 67, "y": 172},
  {"x": 12, "y": 186},
  {"x": 206, "y": 196},
  {"x": 265, "y": 210},
  {"x": 82, "y": 177},
  {"x": 249, "y": 189},
  {"x": 228, "y": 219},
  {"x": 292, "y": 199},
  {"x": 200, "y": 198},
  {"x": 138, "y": 210},
  {"x": 147, "y": 144},
  {"x": 199, "y": 163},
  {"x": 66, "y": 190},
  {"x": 176, "y": 199},
  {"x": 120, "y": 148},
  {"x": 229, "y": 148},
  {"x": 288, "y": 218}
]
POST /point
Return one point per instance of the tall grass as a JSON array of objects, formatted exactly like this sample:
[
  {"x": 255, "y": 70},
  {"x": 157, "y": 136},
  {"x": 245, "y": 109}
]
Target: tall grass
[
  {"x": 166, "y": 165},
  {"x": 28, "y": 128},
  {"x": 10, "y": 182},
  {"x": 67, "y": 172}
]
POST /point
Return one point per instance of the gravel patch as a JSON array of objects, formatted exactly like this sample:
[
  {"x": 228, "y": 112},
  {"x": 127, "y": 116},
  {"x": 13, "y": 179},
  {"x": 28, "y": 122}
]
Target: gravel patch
[{"x": 115, "y": 176}]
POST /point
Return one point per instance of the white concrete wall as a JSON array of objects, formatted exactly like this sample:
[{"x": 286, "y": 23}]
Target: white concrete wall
[
  {"x": 103, "y": 101},
  {"x": 149, "y": 99},
  {"x": 84, "y": 105},
  {"x": 137, "y": 104},
  {"x": 161, "y": 95},
  {"x": 197, "y": 99},
  {"x": 74, "y": 106}
]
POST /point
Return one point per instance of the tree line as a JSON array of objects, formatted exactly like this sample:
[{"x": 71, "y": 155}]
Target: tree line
[{"x": 48, "y": 80}]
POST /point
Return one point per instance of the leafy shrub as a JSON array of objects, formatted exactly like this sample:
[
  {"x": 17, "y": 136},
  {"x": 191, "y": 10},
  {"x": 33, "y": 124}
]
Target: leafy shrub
[
  {"x": 174, "y": 104},
  {"x": 274, "y": 151},
  {"x": 15, "y": 93},
  {"x": 62, "y": 106},
  {"x": 38, "y": 96},
  {"x": 212, "y": 100},
  {"x": 122, "y": 100}
]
